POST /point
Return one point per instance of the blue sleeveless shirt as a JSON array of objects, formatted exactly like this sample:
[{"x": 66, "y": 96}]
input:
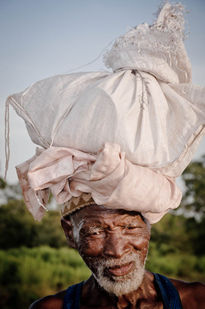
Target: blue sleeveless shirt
[{"x": 169, "y": 294}]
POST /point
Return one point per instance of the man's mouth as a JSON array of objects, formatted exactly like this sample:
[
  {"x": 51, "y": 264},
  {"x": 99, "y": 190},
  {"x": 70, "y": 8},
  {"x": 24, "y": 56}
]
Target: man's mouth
[{"x": 120, "y": 270}]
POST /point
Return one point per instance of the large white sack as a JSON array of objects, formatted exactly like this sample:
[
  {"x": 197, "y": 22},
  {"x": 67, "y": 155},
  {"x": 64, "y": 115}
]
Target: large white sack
[{"x": 157, "y": 124}]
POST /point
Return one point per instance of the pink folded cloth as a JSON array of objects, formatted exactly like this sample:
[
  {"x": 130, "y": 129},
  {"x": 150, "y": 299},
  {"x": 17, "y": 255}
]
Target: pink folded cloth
[{"x": 111, "y": 179}]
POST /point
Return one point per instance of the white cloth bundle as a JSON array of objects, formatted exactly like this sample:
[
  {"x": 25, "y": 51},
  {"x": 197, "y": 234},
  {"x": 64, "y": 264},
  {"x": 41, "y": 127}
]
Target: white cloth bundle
[
  {"x": 157, "y": 124},
  {"x": 147, "y": 107}
]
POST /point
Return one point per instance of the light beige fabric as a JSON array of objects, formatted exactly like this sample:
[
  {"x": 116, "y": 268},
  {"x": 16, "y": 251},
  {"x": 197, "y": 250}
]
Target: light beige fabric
[
  {"x": 157, "y": 49},
  {"x": 147, "y": 106},
  {"x": 109, "y": 177},
  {"x": 158, "y": 125}
]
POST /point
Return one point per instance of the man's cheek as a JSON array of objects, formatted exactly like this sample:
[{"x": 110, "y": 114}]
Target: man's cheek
[
  {"x": 141, "y": 245},
  {"x": 91, "y": 247},
  {"x": 139, "y": 242}
]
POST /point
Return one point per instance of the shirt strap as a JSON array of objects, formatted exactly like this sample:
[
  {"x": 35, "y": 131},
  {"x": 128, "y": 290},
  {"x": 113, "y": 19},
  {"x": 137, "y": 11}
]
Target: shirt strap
[
  {"x": 72, "y": 296},
  {"x": 169, "y": 293}
]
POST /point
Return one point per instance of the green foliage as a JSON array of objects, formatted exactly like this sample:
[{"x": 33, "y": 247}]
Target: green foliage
[
  {"x": 186, "y": 267},
  {"x": 172, "y": 252},
  {"x": 18, "y": 227},
  {"x": 194, "y": 179},
  {"x": 170, "y": 233},
  {"x": 2, "y": 183},
  {"x": 194, "y": 201},
  {"x": 29, "y": 273}
]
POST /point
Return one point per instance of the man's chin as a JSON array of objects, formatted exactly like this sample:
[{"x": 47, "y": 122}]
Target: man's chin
[
  {"x": 118, "y": 276},
  {"x": 121, "y": 285}
]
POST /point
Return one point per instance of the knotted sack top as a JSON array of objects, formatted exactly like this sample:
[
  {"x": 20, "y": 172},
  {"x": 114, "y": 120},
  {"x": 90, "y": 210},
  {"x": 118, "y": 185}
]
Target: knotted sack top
[{"x": 146, "y": 113}]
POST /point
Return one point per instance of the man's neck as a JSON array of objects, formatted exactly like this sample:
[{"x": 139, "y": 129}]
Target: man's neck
[{"x": 93, "y": 295}]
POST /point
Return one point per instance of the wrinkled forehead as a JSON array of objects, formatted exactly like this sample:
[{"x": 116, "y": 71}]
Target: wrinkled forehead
[{"x": 98, "y": 214}]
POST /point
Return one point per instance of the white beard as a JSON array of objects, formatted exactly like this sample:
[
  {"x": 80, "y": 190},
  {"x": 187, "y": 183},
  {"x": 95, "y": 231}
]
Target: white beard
[{"x": 120, "y": 285}]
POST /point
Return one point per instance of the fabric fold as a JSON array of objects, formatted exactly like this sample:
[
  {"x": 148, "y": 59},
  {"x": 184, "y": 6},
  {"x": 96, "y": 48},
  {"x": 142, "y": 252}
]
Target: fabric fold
[
  {"x": 120, "y": 138},
  {"x": 109, "y": 178}
]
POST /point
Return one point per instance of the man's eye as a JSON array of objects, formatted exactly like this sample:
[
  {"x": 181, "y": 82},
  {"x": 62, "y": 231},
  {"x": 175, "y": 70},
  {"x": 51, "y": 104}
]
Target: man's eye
[
  {"x": 95, "y": 233},
  {"x": 130, "y": 227}
]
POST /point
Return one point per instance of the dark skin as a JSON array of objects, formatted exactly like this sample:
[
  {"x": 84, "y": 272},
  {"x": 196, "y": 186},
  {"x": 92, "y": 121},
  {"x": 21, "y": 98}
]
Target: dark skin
[{"x": 98, "y": 232}]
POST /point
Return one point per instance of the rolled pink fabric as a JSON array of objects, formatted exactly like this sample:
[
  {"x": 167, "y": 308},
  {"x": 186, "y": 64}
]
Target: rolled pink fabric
[{"x": 108, "y": 176}]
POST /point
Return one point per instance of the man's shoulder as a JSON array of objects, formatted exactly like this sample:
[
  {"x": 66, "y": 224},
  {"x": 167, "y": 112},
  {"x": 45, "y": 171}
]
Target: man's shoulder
[
  {"x": 49, "y": 302},
  {"x": 192, "y": 294}
]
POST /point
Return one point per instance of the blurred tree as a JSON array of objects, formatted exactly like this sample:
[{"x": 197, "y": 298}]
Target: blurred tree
[
  {"x": 169, "y": 235},
  {"x": 193, "y": 203},
  {"x": 2, "y": 183},
  {"x": 194, "y": 197},
  {"x": 185, "y": 233},
  {"x": 18, "y": 228}
]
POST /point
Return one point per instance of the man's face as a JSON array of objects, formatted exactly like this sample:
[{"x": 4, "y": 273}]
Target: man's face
[{"x": 114, "y": 245}]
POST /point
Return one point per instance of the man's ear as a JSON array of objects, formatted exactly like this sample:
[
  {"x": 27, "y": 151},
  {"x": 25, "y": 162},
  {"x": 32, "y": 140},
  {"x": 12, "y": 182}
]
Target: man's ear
[{"x": 68, "y": 230}]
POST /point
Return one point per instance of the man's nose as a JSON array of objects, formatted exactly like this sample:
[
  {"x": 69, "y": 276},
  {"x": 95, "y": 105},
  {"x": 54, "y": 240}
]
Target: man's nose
[{"x": 116, "y": 245}]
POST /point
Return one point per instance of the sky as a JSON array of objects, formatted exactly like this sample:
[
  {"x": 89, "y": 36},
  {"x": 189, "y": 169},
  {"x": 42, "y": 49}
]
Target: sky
[{"x": 41, "y": 38}]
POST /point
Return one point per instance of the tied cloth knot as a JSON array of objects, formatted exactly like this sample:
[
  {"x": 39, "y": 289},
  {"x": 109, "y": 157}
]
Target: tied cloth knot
[{"x": 107, "y": 176}]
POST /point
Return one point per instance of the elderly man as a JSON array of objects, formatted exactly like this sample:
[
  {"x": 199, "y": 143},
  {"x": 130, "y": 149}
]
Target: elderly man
[
  {"x": 113, "y": 144},
  {"x": 114, "y": 245}
]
